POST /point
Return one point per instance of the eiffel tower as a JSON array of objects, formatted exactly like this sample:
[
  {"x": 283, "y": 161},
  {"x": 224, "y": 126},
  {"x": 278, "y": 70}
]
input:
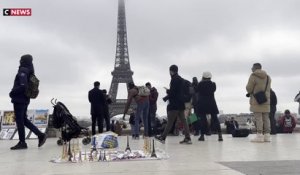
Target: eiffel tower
[{"x": 122, "y": 72}]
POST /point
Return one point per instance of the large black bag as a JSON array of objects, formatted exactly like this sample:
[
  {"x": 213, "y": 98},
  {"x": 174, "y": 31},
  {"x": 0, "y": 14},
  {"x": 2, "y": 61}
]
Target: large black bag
[
  {"x": 240, "y": 132},
  {"x": 260, "y": 96}
]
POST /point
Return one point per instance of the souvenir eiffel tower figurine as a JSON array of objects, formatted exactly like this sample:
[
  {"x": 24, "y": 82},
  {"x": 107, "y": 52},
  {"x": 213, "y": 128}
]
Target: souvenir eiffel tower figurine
[
  {"x": 104, "y": 157},
  {"x": 100, "y": 156},
  {"x": 79, "y": 158},
  {"x": 70, "y": 152},
  {"x": 153, "y": 154},
  {"x": 127, "y": 147}
]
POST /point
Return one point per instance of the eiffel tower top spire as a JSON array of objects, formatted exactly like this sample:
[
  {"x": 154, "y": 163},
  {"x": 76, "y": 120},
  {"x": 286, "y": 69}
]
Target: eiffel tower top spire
[{"x": 122, "y": 55}]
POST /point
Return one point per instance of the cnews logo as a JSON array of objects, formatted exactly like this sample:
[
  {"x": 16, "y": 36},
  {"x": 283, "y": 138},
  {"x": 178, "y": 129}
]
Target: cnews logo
[{"x": 17, "y": 12}]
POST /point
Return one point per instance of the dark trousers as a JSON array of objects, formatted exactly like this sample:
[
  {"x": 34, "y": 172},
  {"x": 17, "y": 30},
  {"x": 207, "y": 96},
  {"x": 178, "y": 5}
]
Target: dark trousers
[
  {"x": 21, "y": 121},
  {"x": 172, "y": 116},
  {"x": 272, "y": 122},
  {"x": 151, "y": 120},
  {"x": 107, "y": 120},
  {"x": 215, "y": 123},
  {"x": 99, "y": 120}
]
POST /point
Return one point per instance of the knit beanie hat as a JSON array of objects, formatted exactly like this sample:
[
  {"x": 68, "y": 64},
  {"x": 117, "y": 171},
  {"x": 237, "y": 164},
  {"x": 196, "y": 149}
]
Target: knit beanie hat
[{"x": 206, "y": 75}]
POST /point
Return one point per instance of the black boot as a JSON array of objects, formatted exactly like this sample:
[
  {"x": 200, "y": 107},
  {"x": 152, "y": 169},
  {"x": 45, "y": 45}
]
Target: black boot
[
  {"x": 20, "y": 145},
  {"x": 220, "y": 137},
  {"x": 201, "y": 138}
]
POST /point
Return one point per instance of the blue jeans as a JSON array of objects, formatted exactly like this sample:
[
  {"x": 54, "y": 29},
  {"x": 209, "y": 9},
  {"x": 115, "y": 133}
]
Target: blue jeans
[{"x": 142, "y": 112}]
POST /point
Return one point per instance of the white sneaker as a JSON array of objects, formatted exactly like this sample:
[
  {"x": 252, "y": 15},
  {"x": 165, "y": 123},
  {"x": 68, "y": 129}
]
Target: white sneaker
[
  {"x": 259, "y": 138},
  {"x": 267, "y": 138}
]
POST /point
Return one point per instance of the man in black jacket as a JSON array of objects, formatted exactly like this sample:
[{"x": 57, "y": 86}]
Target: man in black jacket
[
  {"x": 97, "y": 100},
  {"x": 175, "y": 107},
  {"x": 21, "y": 102}
]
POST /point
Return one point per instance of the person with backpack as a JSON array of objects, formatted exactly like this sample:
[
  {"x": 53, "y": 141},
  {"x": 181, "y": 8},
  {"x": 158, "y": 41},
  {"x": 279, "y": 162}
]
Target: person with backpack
[
  {"x": 207, "y": 105},
  {"x": 175, "y": 108},
  {"x": 152, "y": 109},
  {"x": 141, "y": 97},
  {"x": 287, "y": 122},
  {"x": 21, "y": 100},
  {"x": 97, "y": 100}
]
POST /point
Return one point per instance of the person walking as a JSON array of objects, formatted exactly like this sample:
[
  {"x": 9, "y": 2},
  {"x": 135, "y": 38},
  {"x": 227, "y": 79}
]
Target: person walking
[
  {"x": 21, "y": 101},
  {"x": 97, "y": 100},
  {"x": 207, "y": 105},
  {"x": 260, "y": 81},
  {"x": 175, "y": 107}
]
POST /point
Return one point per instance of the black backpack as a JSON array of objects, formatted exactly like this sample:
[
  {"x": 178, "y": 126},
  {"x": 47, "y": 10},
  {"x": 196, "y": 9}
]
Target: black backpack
[
  {"x": 187, "y": 88},
  {"x": 33, "y": 87}
]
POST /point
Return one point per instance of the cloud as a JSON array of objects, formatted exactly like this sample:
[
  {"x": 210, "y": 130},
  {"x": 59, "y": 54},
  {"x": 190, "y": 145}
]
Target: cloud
[{"x": 74, "y": 44}]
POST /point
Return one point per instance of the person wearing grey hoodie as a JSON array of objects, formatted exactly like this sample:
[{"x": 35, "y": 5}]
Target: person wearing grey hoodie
[{"x": 259, "y": 80}]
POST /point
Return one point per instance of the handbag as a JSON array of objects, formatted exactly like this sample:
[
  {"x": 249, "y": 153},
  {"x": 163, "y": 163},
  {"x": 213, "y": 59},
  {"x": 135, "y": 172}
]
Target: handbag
[{"x": 260, "y": 96}]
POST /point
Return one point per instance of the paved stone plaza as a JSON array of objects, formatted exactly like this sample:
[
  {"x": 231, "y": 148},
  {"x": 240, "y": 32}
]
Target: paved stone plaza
[{"x": 234, "y": 156}]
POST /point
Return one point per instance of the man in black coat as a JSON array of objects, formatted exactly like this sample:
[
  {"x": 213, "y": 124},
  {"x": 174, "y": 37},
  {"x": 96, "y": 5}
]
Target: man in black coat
[
  {"x": 175, "y": 107},
  {"x": 207, "y": 105},
  {"x": 21, "y": 102},
  {"x": 97, "y": 100}
]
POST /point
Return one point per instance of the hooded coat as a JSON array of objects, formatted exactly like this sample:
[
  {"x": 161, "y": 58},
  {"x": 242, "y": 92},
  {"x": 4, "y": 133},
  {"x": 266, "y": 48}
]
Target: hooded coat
[
  {"x": 257, "y": 82},
  {"x": 17, "y": 94}
]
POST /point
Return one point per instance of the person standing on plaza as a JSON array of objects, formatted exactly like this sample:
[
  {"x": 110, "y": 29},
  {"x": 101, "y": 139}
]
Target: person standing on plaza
[
  {"x": 259, "y": 81},
  {"x": 21, "y": 101},
  {"x": 196, "y": 124},
  {"x": 207, "y": 105},
  {"x": 175, "y": 107},
  {"x": 97, "y": 100},
  {"x": 297, "y": 99},
  {"x": 106, "y": 116},
  {"x": 152, "y": 109},
  {"x": 273, "y": 109},
  {"x": 142, "y": 109}
]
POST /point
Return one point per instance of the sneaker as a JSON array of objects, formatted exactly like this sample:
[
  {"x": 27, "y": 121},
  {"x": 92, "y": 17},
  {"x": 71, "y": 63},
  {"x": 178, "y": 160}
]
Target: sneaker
[
  {"x": 160, "y": 139},
  {"x": 259, "y": 138},
  {"x": 20, "y": 145},
  {"x": 267, "y": 138},
  {"x": 186, "y": 141},
  {"x": 42, "y": 139}
]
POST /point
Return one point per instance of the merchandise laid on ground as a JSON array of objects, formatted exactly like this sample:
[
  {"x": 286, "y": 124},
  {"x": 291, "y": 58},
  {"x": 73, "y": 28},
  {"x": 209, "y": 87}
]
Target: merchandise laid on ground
[
  {"x": 233, "y": 156},
  {"x": 105, "y": 147}
]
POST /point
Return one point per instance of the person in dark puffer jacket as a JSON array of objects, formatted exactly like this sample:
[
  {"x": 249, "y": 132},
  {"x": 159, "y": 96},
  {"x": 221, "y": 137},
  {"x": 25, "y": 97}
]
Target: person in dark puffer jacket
[{"x": 21, "y": 101}]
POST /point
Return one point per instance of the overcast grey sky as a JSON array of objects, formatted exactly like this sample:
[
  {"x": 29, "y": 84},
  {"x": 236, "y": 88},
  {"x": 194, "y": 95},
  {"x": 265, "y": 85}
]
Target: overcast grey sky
[{"x": 73, "y": 43}]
